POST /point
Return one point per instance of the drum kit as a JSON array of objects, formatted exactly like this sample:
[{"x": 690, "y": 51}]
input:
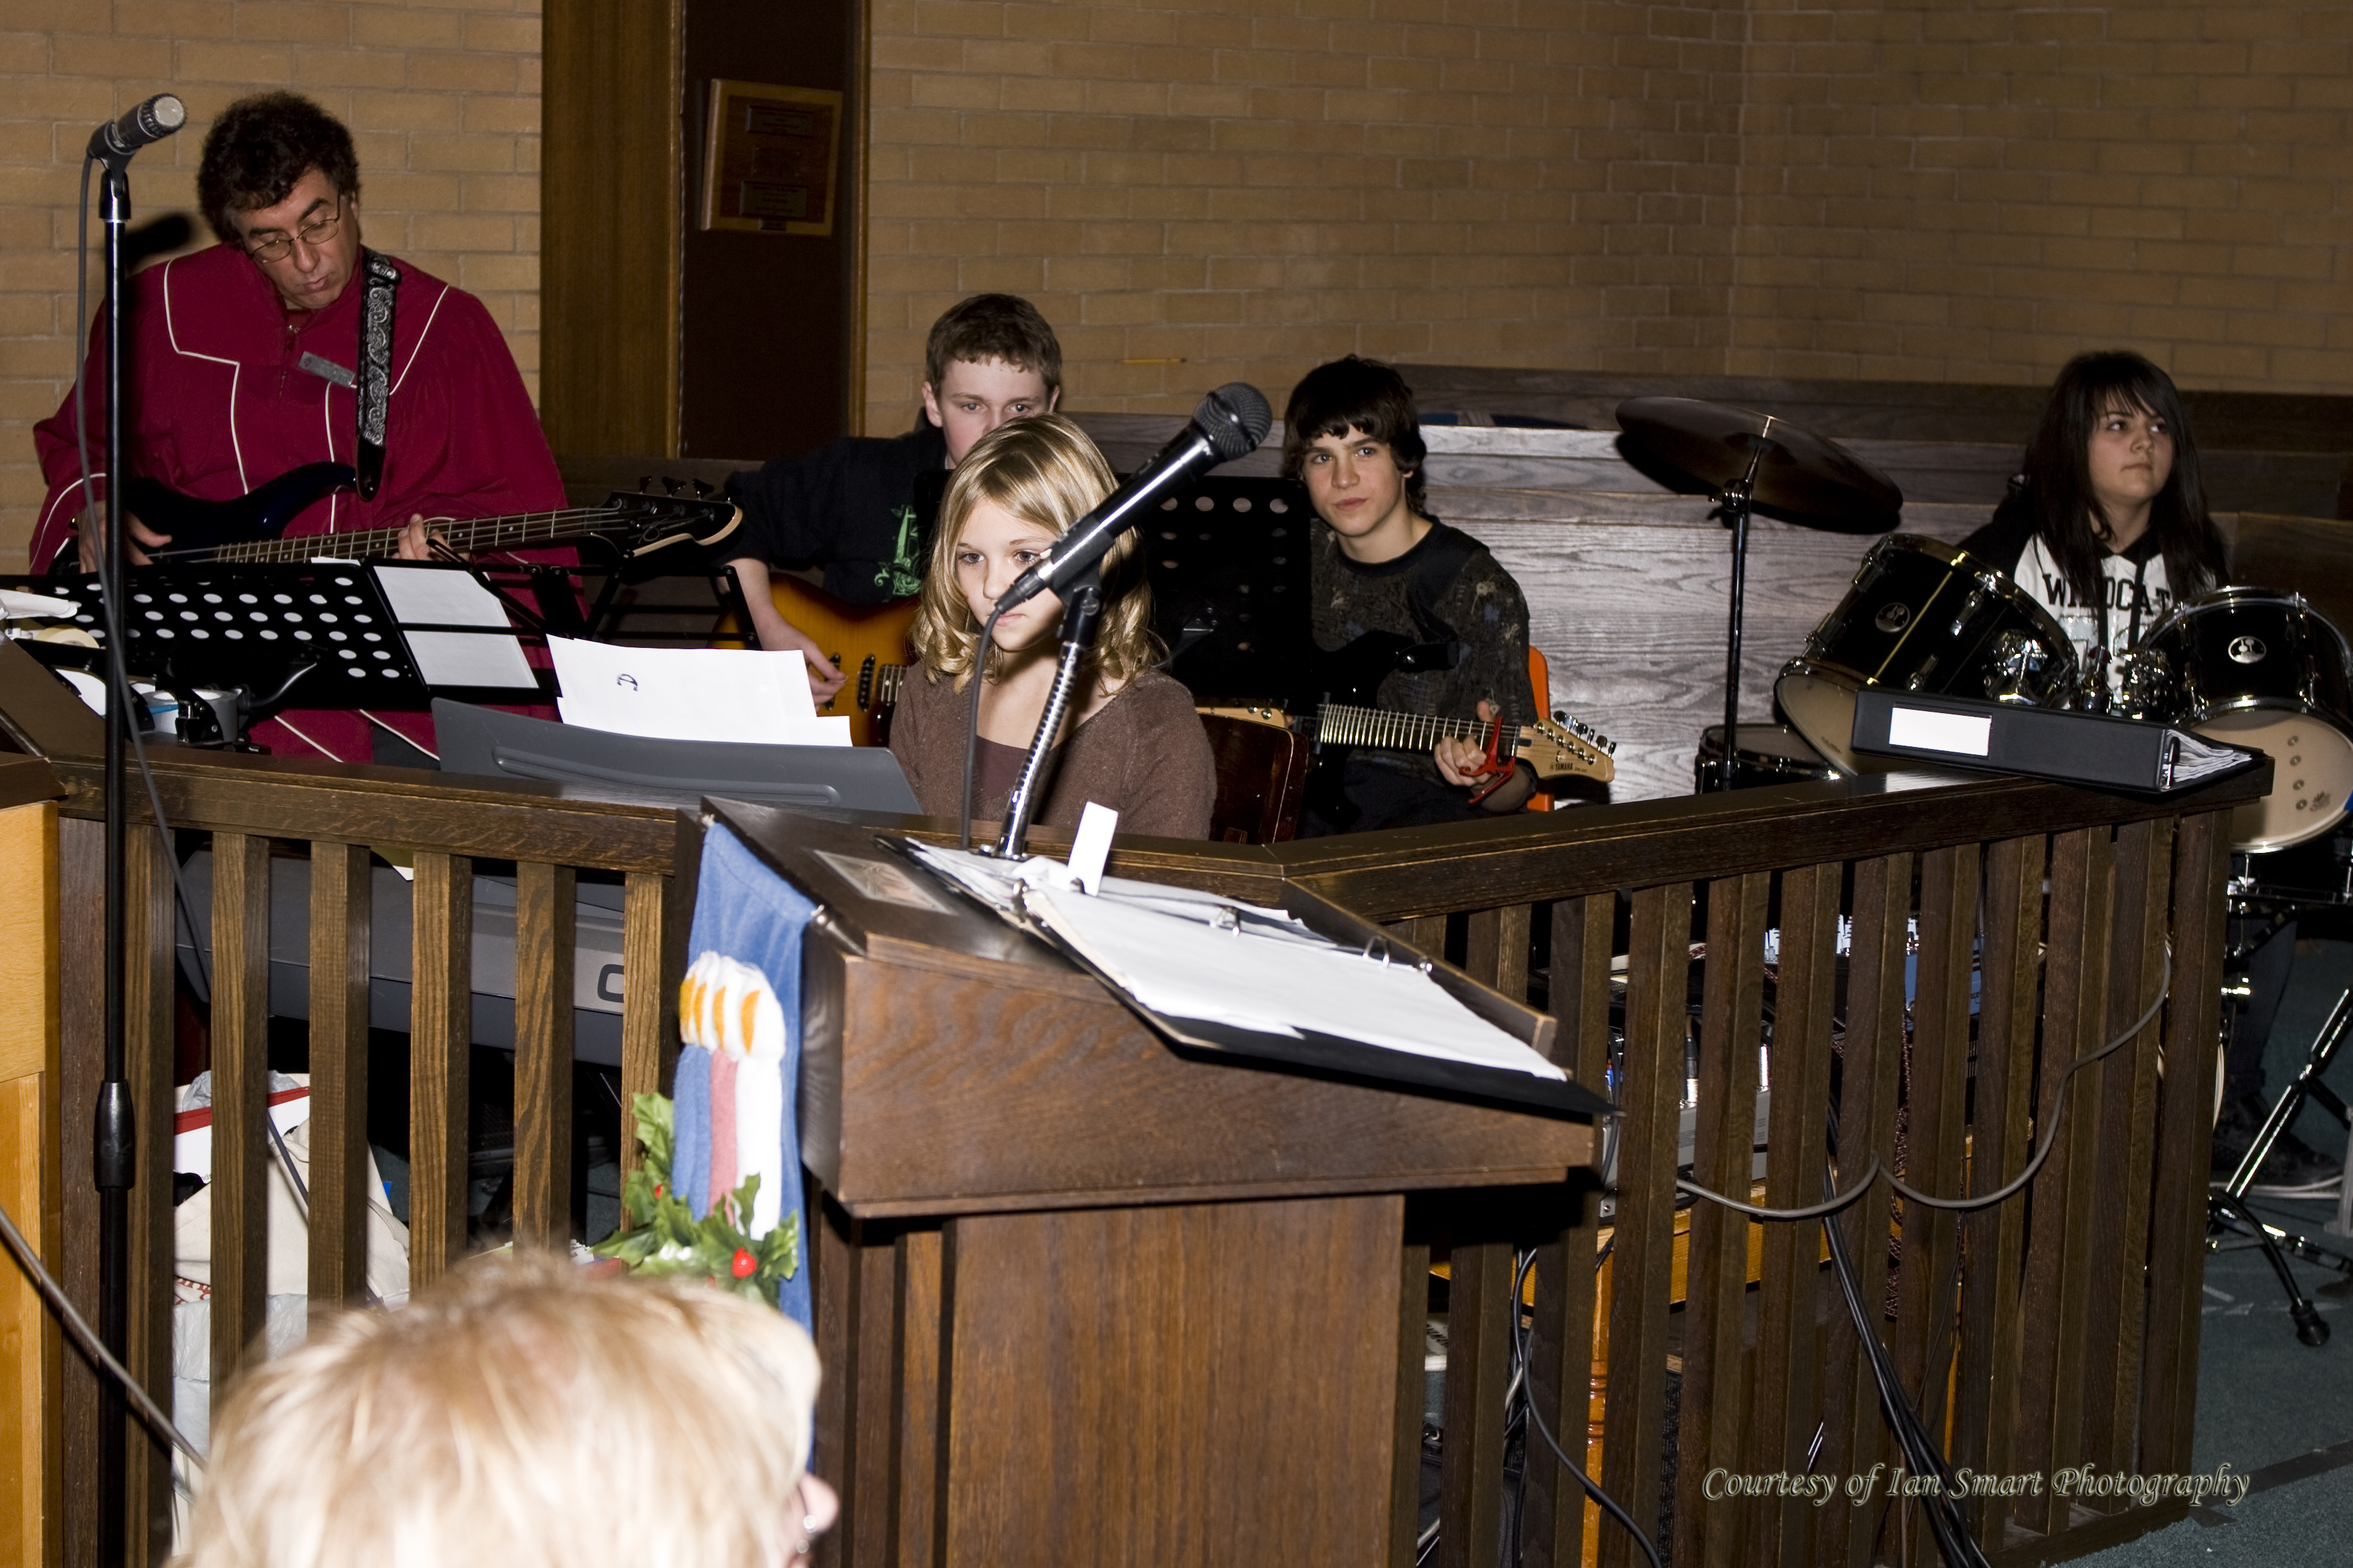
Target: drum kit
[
  {"x": 2250, "y": 667},
  {"x": 2258, "y": 667}
]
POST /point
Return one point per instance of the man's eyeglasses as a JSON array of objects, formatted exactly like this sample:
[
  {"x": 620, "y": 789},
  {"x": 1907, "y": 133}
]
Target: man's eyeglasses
[{"x": 315, "y": 233}]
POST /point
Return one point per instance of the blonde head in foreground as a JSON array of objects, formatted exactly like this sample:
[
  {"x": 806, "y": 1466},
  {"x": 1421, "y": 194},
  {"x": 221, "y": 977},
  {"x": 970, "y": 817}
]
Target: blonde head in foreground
[{"x": 523, "y": 1415}]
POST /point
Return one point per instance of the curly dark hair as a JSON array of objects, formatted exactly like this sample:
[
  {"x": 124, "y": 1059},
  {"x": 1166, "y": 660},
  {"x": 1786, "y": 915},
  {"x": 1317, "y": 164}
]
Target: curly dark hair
[
  {"x": 1360, "y": 395},
  {"x": 259, "y": 146}
]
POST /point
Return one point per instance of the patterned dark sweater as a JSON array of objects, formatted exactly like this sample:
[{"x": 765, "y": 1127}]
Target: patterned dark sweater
[{"x": 1482, "y": 608}]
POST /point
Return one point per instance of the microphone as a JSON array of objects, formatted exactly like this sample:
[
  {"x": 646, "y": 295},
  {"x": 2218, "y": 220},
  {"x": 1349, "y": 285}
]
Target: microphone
[
  {"x": 151, "y": 122},
  {"x": 1229, "y": 424}
]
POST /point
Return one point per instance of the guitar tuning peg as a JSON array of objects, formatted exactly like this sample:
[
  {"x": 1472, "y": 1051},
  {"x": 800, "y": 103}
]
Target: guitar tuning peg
[
  {"x": 702, "y": 489},
  {"x": 670, "y": 484},
  {"x": 645, "y": 483}
]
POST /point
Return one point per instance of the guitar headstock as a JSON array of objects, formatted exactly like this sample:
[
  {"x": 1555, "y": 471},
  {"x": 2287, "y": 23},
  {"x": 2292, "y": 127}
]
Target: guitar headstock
[
  {"x": 657, "y": 522},
  {"x": 1566, "y": 747}
]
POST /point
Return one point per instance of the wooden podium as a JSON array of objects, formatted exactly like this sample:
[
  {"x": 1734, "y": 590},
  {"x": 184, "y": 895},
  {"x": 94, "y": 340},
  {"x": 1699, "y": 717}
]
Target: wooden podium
[{"x": 1081, "y": 1299}]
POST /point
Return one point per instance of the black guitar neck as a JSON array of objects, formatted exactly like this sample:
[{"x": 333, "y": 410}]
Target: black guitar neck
[{"x": 253, "y": 526}]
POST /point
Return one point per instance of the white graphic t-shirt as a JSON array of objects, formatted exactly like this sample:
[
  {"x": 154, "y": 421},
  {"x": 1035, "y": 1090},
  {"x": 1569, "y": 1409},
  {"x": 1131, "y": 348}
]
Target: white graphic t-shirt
[{"x": 2133, "y": 597}]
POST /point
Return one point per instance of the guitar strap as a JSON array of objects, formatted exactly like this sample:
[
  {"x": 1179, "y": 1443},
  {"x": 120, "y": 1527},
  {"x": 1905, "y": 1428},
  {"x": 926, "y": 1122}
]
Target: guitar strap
[{"x": 380, "y": 278}]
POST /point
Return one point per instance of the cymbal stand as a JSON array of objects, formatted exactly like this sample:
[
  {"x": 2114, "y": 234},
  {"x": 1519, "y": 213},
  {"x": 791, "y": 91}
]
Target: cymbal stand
[
  {"x": 2227, "y": 1207},
  {"x": 1734, "y": 503}
]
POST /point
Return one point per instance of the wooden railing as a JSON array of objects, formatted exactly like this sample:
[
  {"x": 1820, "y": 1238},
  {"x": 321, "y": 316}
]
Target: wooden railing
[{"x": 2069, "y": 1340}]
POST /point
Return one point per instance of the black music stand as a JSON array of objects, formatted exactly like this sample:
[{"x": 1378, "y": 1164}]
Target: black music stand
[
  {"x": 1228, "y": 566},
  {"x": 389, "y": 635}
]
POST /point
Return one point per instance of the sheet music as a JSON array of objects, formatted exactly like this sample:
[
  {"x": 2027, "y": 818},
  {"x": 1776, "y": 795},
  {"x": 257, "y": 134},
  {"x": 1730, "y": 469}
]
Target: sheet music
[
  {"x": 440, "y": 596},
  {"x": 744, "y": 695},
  {"x": 1194, "y": 955},
  {"x": 472, "y": 658}
]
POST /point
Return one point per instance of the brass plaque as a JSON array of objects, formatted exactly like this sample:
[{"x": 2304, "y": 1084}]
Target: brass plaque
[{"x": 771, "y": 156}]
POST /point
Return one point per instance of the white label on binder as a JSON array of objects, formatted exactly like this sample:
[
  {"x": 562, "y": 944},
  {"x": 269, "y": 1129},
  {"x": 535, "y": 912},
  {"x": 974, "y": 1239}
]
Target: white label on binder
[{"x": 1965, "y": 734}]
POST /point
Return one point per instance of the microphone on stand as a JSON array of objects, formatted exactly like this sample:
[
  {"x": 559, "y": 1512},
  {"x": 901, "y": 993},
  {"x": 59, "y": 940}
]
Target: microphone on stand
[
  {"x": 159, "y": 117},
  {"x": 1229, "y": 424}
]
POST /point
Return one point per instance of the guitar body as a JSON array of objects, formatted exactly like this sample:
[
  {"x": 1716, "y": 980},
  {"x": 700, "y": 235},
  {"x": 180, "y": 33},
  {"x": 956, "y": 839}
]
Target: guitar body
[
  {"x": 260, "y": 513},
  {"x": 855, "y": 638},
  {"x": 1262, "y": 766}
]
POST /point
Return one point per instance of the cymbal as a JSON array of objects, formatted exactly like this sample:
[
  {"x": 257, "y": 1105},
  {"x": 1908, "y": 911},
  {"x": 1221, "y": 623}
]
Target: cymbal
[{"x": 1816, "y": 482}]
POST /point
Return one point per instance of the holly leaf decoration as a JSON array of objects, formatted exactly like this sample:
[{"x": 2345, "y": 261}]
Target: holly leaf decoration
[{"x": 660, "y": 1234}]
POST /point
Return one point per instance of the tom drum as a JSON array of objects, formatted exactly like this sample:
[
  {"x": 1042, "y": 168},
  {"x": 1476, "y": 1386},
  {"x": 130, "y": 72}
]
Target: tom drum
[{"x": 1924, "y": 616}]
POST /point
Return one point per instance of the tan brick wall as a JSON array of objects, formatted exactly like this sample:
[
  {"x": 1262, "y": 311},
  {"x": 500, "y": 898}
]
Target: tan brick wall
[
  {"x": 1972, "y": 193},
  {"x": 1202, "y": 190},
  {"x": 1876, "y": 188},
  {"x": 442, "y": 99}
]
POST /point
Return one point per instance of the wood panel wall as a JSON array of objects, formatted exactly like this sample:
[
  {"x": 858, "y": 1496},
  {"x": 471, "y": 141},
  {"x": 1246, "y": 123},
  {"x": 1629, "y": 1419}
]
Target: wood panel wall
[
  {"x": 30, "y": 1479},
  {"x": 611, "y": 225}
]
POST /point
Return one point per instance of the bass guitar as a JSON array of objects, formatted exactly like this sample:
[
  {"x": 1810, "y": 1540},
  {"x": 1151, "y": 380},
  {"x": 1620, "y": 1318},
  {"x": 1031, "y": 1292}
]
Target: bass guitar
[{"x": 252, "y": 527}]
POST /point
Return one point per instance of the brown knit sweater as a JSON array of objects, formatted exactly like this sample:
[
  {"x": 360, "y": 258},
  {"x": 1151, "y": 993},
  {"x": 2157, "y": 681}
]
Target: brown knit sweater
[{"x": 1144, "y": 756}]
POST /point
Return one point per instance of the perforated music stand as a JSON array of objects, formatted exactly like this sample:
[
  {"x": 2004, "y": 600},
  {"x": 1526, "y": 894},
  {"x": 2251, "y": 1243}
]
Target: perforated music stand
[
  {"x": 243, "y": 624},
  {"x": 1228, "y": 566}
]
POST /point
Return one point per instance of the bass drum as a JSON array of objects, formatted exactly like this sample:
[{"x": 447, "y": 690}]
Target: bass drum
[
  {"x": 2258, "y": 667},
  {"x": 1924, "y": 616},
  {"x": 1762, "y": 755}
]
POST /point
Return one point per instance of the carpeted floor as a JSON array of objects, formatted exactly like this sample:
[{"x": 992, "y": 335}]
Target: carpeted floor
[{"x": 2268, "y": 1405}]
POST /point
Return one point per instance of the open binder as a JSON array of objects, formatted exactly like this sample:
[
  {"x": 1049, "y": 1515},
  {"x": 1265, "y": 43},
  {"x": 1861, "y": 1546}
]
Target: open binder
[{"x": 883, "y": 884}]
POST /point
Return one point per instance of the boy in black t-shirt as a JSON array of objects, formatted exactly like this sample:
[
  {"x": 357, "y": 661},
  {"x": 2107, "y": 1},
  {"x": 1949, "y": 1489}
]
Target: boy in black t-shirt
[
  {"x": 1381, "y": 564},
  {"x": 861, "y": 508}
]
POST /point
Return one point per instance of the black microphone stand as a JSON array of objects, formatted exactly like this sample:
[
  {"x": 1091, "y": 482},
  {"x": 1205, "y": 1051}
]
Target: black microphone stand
[
  {"x": 1081, "y": 610},
  {"x": 114, "y": 1156}
]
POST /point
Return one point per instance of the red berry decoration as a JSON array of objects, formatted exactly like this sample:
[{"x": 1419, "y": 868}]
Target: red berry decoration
[
  {"x": 660, "y": 1188},
  {"x": 745, "y": 1265}
]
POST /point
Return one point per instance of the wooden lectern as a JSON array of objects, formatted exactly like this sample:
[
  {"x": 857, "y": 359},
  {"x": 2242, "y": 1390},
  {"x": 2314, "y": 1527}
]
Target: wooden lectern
[{"x": 1081, "y": 1299}]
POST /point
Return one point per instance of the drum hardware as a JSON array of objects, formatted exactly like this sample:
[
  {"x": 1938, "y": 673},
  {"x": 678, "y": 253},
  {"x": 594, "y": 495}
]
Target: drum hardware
[
  {"x": 1746, "y": 460},
  {"x": 1923, "y": 617},
  {"x": 2227, "y": 1209},
  {"x": 1762, "y": 755}
]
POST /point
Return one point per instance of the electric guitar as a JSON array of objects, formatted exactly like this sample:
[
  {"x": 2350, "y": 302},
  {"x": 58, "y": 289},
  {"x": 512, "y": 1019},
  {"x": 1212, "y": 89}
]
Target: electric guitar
[
  {"x": 252, "y": 527},
  {"x": 1564, "y": 748},
  {"x": 868, "y": 643}
]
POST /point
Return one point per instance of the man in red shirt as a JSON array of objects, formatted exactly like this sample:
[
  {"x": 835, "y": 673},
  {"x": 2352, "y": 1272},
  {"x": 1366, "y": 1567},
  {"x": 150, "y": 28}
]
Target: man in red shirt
[{"x": 245, "y": 359}]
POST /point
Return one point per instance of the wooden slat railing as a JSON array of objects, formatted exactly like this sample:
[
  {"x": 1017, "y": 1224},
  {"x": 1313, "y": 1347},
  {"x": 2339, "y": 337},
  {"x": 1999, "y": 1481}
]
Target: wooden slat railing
[{"x": 2033, "y": 1347}]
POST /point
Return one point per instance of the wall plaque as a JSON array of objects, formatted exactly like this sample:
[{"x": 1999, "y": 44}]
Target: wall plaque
[{"x": 770, "y": 163}]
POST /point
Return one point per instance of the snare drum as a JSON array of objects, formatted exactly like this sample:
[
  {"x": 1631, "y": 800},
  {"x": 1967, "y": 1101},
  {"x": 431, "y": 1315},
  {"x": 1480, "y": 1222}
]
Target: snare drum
[
  {"x": 1924, "y": 616},
  {"x": 2254, "y": 667},
  {"x": 1763, "y": 754}
]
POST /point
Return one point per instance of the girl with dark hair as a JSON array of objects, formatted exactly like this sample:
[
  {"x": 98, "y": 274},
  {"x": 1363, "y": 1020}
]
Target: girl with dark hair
[{"x": 2107, "y": 527}]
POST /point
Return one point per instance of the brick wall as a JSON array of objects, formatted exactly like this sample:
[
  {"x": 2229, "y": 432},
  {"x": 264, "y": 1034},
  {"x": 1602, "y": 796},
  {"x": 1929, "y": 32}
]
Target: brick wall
[
  {"x": 1972, "y": 193},
  {"x": 1875, "y": 188},
  {"x": 442, "y": 99},
  {"x": 1197, "y": 192}
]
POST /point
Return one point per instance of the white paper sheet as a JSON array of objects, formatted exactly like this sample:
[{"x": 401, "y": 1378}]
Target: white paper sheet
[
  {"x": 691, "y": 694},
  {"x": 440, "y": 596},
  {"x": 472, "y": 658},
  {"x": 1190, "y": 954}
]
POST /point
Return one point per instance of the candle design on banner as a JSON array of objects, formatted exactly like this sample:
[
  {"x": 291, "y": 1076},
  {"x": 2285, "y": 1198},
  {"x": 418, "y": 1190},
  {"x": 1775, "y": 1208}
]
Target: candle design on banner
[{"x": 731, "y": 1089}]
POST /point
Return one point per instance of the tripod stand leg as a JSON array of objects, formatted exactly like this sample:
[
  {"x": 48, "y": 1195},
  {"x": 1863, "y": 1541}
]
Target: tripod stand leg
[
  {"x": 2309, "y": 1328},
  {"x": 2323, "y": 1051}
]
